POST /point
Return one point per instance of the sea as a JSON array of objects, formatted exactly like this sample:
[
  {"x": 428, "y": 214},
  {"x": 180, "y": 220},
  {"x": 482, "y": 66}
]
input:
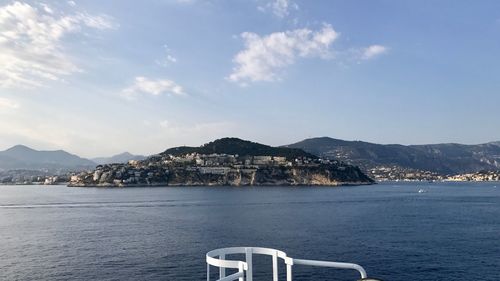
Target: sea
[{"x": 447, "y": 231}]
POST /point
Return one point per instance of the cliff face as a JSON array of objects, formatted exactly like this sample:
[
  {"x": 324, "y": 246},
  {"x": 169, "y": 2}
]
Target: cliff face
[
  {"x": 326, "y": 175},
  {"x": 323, "y": 175}
]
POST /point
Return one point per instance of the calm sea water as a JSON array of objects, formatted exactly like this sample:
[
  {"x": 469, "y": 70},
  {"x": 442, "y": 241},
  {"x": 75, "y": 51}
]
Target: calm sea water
[{"x": 451, "y": 232}]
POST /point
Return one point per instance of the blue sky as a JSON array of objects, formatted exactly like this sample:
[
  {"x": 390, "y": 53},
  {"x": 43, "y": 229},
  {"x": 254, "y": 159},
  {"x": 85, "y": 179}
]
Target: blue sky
[{"x": 102, "y": 77}]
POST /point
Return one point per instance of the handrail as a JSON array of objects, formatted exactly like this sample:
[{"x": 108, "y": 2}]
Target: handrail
[
  {"x": 232, "y": 277},
  {"x": 218, "y": 259},
  {"x": 342, "y": 265}
]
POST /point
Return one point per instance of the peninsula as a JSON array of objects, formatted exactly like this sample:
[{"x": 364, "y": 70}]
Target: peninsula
[{"x": 225, "y": 162}]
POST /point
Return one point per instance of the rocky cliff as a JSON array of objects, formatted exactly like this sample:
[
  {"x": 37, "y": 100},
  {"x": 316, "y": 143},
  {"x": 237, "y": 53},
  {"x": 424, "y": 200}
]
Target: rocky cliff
[{"x": 324, "y": 175}]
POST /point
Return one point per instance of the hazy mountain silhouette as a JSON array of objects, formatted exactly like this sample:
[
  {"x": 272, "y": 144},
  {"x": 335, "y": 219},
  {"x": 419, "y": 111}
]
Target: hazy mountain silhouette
[
  {"x": 23, "y": 157},
  {"x": 119, "y": 158},
  {"x": 447, "y": 158}
]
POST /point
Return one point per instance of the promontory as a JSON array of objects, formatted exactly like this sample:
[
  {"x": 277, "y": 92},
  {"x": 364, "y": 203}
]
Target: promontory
[{"x": 225, "y": 162}]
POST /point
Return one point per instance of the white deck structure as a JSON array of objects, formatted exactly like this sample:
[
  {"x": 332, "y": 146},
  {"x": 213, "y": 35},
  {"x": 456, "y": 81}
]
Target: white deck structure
[{"x": 218, "y": 259}]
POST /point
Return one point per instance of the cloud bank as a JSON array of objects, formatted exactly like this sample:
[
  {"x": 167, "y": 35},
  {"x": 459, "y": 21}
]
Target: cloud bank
[
  {"x": 373, "y": 51},
  {"x": 31, "y": 47},
  {"x": 264, "y": 56},
  {"x": 280, "y": 8},
  {"x": 155, "y": 87}
]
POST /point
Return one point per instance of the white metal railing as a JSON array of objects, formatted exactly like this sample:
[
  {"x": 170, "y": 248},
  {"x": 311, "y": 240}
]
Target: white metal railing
[{"x": 218, "y": 259}]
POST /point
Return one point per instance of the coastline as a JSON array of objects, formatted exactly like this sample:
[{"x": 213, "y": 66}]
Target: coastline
[{"x": 109, "y": 185}]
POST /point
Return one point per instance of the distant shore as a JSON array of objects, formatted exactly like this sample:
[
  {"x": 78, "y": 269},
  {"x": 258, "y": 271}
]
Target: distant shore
[{"x": 243, "y": 186}]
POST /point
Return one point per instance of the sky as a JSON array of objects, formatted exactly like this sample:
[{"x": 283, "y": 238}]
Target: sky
[{"x": 97, "y": 78}]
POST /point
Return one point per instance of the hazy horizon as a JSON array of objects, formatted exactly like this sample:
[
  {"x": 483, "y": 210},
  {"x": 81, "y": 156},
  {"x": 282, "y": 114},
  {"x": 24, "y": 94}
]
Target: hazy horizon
[
  {"x": 148, "y": 154},
  {"x": 100, "y": 78}
]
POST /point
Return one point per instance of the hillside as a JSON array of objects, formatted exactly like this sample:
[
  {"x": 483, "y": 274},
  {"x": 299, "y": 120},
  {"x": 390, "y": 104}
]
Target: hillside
[
  {"x": 23, "y": 157},
  {"x": 236, "y": 146},
  {"x": 438, "y": 158}
]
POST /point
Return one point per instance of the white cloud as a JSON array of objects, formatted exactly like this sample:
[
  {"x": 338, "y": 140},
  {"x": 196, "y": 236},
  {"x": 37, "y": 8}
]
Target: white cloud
[
  {"x": 72, "y": 3},
  {"x": 373, "y": 51},
  {"x": 280, "y": 8},
  {"x": 98, "y": 22},
  {"x": 264, "y": 56},
  {"x": 31, "y": 47},
  {"x": 8, "y": 103},
  {"x": 143, "y": 85},
  {"x": 168, "y": 59},
  {"x": 46, "y": 8},
  {"x": 171, "y": 58}
]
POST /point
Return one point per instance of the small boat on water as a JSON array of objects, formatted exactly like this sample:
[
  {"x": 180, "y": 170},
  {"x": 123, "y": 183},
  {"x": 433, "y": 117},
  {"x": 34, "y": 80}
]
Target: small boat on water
[
  {"x": 218, "y": 259},
  {"x": 422, "y": 191}
]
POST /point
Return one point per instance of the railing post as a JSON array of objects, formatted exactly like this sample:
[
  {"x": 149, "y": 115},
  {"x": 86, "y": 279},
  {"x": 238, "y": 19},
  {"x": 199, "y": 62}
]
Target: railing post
[
  {"x": 288, "y": 272},
  {"x": 208, "y": 272},
  {"x": 241, "y": 270},
  {"x": 275, "y": 266},
  {"x": 222, "y": 270},
  {"x": 249, "y": 253},
  {"x": 289, "y": 264}
]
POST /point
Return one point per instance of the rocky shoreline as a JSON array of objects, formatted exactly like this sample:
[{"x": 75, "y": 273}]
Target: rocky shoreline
[
  {"x": 202, "y": 185},
  {"x": 132, "y": 176}
]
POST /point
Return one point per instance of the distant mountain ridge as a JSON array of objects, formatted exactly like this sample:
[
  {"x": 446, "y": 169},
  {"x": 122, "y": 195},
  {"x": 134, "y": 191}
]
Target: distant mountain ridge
[
  {"x": 23, "y": 157},
  {"x": 448, "y": 158},
  {"x": 118, "y": 158},
  {"x": 445, "y": 159}
]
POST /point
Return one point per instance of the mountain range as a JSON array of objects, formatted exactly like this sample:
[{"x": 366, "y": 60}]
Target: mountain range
[
  {"x": 446, "y": 158},
  {"x": 21, "y": 157}
]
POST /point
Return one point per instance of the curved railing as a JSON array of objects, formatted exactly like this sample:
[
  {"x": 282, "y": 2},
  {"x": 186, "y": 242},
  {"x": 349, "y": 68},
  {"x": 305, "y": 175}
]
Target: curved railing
[{"x": 218, "y": 259}]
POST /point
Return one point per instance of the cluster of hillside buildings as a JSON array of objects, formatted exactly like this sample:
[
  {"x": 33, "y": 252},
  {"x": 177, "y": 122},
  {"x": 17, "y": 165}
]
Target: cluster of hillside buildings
[
  {"x": 396, "y": 173},
  {"x": 156, "y": 169},
  {"x": 26, "y": 177},
  {"x": 214, "y": 160},
  {"x": 479, "y": 176}
]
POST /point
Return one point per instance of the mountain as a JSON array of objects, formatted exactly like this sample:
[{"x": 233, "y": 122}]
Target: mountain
[
  {"x": 23, "y": 157},
  {"x": 236, "y": 146},
  {"x": 448, "y": 158},
  {"x": 119, "y": 158}
]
